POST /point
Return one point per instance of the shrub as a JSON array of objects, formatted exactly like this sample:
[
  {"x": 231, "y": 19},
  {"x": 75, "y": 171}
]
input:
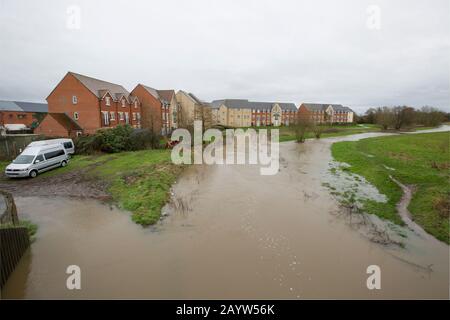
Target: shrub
[{"x": 118, "y": 139}]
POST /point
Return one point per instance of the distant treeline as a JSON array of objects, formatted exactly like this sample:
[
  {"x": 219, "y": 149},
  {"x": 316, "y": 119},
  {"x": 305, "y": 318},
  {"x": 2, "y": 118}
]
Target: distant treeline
[{"x": 400, "y": 117}]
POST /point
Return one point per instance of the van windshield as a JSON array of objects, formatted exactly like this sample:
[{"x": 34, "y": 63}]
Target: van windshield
[{"x": 23, "y": 159}]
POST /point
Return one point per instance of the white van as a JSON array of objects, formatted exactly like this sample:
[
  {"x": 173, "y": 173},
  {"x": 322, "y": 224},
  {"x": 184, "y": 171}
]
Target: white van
[
  {"x": 67, "y": 143},
  {"x": 34, "y": 160}
]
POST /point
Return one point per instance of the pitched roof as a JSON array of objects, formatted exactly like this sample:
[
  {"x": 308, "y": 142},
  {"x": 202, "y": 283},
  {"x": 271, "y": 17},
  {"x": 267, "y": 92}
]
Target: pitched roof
[
  {"x": 21, "y": 106},
  {"x": 151, "y": 90},
  {"x": 166, "y": 95},
  {"x": 66, "y": 121},
  {"x": 245, "y": 104},
  {"x": 324, "y": 106},
  {"x": 32, "y": 106},
  {"x": 99, "y": 87}
]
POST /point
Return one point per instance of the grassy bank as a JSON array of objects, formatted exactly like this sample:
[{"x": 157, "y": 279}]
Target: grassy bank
[
  {"x": 137, "y": 181},
  {"x": 421, "y": 160},
  {"x": 287, "y": 133}
]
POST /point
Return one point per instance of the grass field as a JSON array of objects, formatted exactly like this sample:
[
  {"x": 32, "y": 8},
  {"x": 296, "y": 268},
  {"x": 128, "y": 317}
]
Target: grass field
[
  {"x": 137, "y": 181},
  {"x": 421, "y": 160}
]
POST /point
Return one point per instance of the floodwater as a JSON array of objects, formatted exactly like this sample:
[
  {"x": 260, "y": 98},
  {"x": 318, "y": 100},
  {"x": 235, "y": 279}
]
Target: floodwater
[{"x": 229, "y": 232}]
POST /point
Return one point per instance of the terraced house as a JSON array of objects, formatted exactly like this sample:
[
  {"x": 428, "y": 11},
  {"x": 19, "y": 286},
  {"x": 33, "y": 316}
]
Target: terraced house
[
  {"x": 159, "y": 108},
  {"x": 192, "y": 108},
  {"x": 82, "y": 105},
  {"x": 245, "y": 113},
  {"x": 325, "y": 113}
]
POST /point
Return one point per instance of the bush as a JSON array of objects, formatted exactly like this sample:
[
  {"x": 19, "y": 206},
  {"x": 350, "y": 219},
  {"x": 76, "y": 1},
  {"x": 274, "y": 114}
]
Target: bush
[{"x": 118, "y": 139}]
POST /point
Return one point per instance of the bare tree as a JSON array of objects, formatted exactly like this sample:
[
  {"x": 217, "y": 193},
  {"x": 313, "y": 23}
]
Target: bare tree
[{"x": 384, "y": 117}]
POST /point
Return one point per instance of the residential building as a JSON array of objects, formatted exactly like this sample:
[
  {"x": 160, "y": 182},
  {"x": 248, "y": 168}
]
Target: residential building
[
  {"x": 92, "y": 103},
  {"x": 326, "y": 113},
  {"x": 192, "y": 108},
  {"x": 59, "y": 125},
  {"x": 21, "y": 115},
  {"x": 159, "y": 108},
  {"x": 245, "y": 113}
]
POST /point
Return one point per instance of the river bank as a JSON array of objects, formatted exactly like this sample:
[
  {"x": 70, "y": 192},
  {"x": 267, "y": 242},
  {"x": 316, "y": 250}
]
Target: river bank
[
  {"x": 227, "y": 232},
  {"x": 136, "y": 181}
]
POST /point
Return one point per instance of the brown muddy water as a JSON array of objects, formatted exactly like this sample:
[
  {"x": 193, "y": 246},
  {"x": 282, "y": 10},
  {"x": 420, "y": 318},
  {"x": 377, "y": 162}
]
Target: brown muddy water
[{"x": 228, "y": 233}]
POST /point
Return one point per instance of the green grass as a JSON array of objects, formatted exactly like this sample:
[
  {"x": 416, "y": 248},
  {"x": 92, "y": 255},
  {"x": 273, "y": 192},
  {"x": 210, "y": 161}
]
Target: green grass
[
  {"x": 137, "y": 181},
  {"x": 421, "y": 160},
  {"x": 287, "y": 133}
]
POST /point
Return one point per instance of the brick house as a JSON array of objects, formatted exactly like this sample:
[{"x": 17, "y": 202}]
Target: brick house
[
  {"x": 59, "y": 125},
  {"x": 159, "y": 108},
  {"x": 92, "y": 103},
  {"x": 21, "y": 114},
  {"x": 325, "y": 113},
  {"x": 245, "y": 113}
]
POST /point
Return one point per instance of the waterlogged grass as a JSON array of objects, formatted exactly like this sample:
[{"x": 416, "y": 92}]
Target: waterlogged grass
[
  {"x": 421, "y": 160},
  {"x": 140, "y": 182},
  {"x": 137, "y": 181},
  {"x": 287, "y": 133}
]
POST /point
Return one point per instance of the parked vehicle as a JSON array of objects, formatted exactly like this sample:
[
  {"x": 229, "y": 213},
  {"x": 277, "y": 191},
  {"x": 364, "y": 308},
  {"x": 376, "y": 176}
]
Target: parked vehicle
[
  {"x": 67, "y": 143},
  {"x": 34, "y": 160}
]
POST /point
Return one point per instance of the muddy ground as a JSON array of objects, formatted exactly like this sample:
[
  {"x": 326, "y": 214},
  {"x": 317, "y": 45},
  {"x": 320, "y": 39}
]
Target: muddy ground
[{"x": 70, "y": 184}]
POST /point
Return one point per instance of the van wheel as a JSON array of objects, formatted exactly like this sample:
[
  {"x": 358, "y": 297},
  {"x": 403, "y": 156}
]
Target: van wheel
[
  {"x": 33, "y": 173},
  {"x": 63, "y": 163}
]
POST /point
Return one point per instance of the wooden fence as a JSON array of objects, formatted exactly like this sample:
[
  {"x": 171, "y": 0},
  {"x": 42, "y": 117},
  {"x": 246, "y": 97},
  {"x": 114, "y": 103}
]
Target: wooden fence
[
  {"x": 11, "y": 145},
  {"x": 14, "y": 240}
]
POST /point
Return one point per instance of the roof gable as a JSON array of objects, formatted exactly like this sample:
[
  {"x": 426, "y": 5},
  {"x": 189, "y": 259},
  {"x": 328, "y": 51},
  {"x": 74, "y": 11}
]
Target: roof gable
[{"x": 97, "y": 87}]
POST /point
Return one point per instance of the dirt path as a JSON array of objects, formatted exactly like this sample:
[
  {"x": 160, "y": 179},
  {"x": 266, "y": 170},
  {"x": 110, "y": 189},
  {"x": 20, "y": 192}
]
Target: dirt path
[
  {"x": 402, "y": 209},
  {"x": 71, "y": 184}
]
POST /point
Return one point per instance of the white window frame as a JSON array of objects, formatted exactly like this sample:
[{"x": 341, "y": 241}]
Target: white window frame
[
  {"x": 123, "y": 103},
  {"x": 74, "y": 100},
  {"x": 134, "y": 116},
  {"x": 112, "y": 116},
  {"x": 127, "y": 118},
  {"x": 108, "y": 101},
  {"x": 105, "y": 118},
  {"x": 121, "y": 116},
  {"x": 76, "y": 115}
]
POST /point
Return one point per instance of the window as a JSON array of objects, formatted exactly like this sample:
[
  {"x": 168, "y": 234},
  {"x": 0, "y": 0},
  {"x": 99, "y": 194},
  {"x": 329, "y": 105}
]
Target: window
[
  {"x": 54, "y": 154},
  {"x": 105, "y": 118},
  {"x": 121, "y": 116},
  {"x": 127, "y": 118},
  {"x": 138, "y": 116},
  {"x": 79, "y": 133},
  {"x": 68, "y": 145},
  {"x": 76, "y": 116},
  {"x": 123, "y": 103},
  {"x": 74, "y": 100},
  {"x": 21, "y": 116},
  {"x": 135, "y": 104},
  {"x": 39, "y": 158},
  {"x": 108, "y": 101},
  {"x": 134, "y": 116},
  {"x": 112, "y": 116}
]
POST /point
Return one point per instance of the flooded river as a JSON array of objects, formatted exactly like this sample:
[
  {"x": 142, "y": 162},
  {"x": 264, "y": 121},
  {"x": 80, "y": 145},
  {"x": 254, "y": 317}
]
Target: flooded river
[{"x": 229, "y": 233}]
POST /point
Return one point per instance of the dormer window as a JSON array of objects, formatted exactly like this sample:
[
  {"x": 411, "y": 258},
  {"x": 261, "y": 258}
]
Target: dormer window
[
  {"x": 135, "y": 104},
  {"x": 74, "y": 100},
  {"x": 108, "y": 101},
  {"x": 123, "y": 103}
]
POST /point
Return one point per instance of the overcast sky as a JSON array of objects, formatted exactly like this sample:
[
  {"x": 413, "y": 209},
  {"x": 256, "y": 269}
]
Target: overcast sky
[{"x": 293, "y": 51}]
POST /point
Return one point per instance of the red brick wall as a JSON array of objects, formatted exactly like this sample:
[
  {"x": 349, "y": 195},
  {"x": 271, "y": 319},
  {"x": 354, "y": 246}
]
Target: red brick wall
[
  {"x": 51, "y": 128},
  {"x": 11, "y": 117},
  {"x": 150, "y": 109},
  {"x": 60, "y": 101}
]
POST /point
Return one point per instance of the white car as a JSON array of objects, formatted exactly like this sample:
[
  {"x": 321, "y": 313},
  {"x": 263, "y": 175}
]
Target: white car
[
  {"x": 66, "y": 143},
  {"x": 34, "y": 160}
]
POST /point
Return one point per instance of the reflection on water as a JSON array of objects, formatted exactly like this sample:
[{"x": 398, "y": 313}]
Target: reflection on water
[{"x": 229, "y": 233}]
